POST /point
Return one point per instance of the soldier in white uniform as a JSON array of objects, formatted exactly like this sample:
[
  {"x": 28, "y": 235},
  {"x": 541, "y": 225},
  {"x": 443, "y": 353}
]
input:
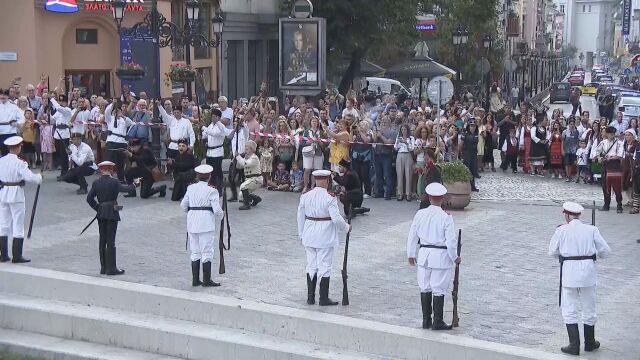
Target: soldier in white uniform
[
  {"x": 14, "y": 172},
  {"x": 179, "y": 128},
  {"x": 577, "y": 245},
  {"x": 433, "y": 231},
  {"x": 252, "y": 174},
  {"x": 319, "y": 221},
  {"x": 11, "y": 119},
  {"x": 202, "y": 205},
  {"x": 215, "y": 134}
]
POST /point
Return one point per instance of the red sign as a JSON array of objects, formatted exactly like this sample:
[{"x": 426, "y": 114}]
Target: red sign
[{"x": 105, "y": 5}]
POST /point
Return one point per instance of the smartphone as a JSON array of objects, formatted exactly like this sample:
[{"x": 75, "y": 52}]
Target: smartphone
[{"x": 273, "y": 99}]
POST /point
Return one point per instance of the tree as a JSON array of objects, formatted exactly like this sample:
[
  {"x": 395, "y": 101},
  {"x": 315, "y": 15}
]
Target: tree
[{"x": 356, "y": 28}]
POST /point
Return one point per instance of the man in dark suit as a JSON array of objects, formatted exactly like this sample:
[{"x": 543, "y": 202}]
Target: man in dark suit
[
  {"x": 352, "y": 195},
  {"x": 144, "y": 163},
  {"x": 105, "y": 189},
  {"x": 183, "y": 170}
]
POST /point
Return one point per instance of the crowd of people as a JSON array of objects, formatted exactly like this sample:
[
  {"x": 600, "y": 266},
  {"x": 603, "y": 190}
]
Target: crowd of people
[{"x": 386, "y": 143}]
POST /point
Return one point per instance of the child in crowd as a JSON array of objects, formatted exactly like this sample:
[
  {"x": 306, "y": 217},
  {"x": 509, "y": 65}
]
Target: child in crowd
[
  {"x": 582, "y": 156},
  {"x": 46, "y": 142},
  {"x": 266, "y": 160},
  {"x": 297, "y": 177},
  {"x": 280, "y": 180},
  {"x": 511, "y": 150}
]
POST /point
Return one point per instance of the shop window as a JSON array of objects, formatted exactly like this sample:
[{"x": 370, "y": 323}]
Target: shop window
[
  {"x": 204, "y": 28},
  {"x": 86, "y": 36},
  {"x": 177, "y": 14}
]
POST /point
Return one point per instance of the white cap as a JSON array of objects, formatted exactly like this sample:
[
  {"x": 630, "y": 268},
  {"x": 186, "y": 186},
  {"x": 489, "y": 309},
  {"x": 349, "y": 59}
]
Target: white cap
[
  {"x": 106, "y": 163},
  {"x": 204, "y": 169},
  {"x": 435, "y": 189},
  {"x": 321, "y": 173},
  {"x": 13, "y": 141},
  {"x": 572, "y": 207},
  {"x": 630, "y": 131}
]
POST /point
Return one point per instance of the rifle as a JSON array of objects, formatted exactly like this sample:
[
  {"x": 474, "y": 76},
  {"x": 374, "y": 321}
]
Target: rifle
[
  {"x": 221, "y": 246},
  {"x": 345, "y": 291},
  {"x": 593, "y": 214},
  {"x": 456, "y": 278},
  {"x": 33, "y": 211}
]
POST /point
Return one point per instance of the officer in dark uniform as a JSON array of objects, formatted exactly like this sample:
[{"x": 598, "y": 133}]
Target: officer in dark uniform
[
  {"x": 352, "y": 196},
  {"x": 144, "y": 162},
  {"x": 183, "y": 170},
  {"x": 106, "y": 189}
]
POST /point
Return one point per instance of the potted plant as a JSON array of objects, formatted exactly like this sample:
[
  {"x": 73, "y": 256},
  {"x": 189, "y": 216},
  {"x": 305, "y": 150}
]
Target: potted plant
[
  {"x": 130, "y": 72},
  {"x": 179, "y": 72},
  {"x": 456, "y": 178}
]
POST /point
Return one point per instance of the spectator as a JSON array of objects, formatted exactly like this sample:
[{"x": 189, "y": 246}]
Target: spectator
[
  {"x": 469, "y": 146},
  {"x": 488, "y": 138},
  {"x": 362, "y": 154},
  {"x": 570, "y": 138},
  {"x": 312, "y": 151},
  {"x": 582, "y": 159},
  {"x": 297, "y": 178},
  {"x": 283, "y": 144},
  {"x": 281, "y": 179},
  {"x": 510, "y": 149},
  {"x": 539, "y": 147},
  {"x": 266, "y": 159},
  {"x": 556, "y": 151},
  {"x": 385, "y": 137},
  {"x": 339, "y": 148},
  {"x": 404, "y": 145}
]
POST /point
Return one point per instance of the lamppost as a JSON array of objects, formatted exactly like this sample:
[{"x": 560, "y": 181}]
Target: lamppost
[
  {"x": 523, "y": 58},
  {"x": 460, "y": 38},
  {"x": 486, "y": 43},
  {"x": 166, "y": 33}
]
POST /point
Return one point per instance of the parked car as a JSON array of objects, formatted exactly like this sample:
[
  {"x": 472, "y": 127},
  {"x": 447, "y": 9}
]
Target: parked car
[
  {"x": 560, "y": 91},
  {"x": 604, "y": 78},
  {"x": 576, "y": 80},
  {"x": 629, "y": 104},
  {"x": 596, "y": 73},
  {"x": 386, "y": 86},
  {"x": 590, "y": 88}
]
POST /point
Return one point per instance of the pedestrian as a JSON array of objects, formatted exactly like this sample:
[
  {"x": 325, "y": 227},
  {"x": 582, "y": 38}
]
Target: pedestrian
[
  {"x": 319, "y": 221},
  {"x": 405, "y": 144},
  {"x": 385, "y": 137},
  {"x": 82, "y": 163},
  {"x": 105, "y": 189},
  {"x": 469, "y": 146},
  {"x": 14, "y": 173},
  {"x": 636, "y": 182},
  {"x": 488, "y": 136},
  {"x": 432, "y": 246},
  {"x": 609, "y": 153},
  {"x": 510, "y": 149},
  {"x": 432, "y": 174},
  {"x": 582, "y": 159},
  {"x": 556, "y": 150},
  {"x": 578, "y": 245},
  {"x": 201, "y": 202},
  {"x": 570, "y": 139},
  {"x": 539, "y": 147},
  {"x": 265, "y": 151},
  {"x": 574, "y": 99},
  {"x": 250, "y": 163},
  {"x": 630, "y": 146}
]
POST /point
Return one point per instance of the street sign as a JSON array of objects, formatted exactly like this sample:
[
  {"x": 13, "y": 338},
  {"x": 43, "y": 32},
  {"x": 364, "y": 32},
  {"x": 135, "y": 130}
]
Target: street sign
[
  {"x": 440, "y": 90},
  {"x": 302, "y": 9},
  {"x": 483, "y": 66},
  {"x": 510, "y": 65}
]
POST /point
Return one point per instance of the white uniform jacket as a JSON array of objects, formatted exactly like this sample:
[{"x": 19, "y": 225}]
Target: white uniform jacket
[
  {"x": 318, "y": 203},
  {"x": 608, "y": 147},
  {"x": 118, "y": 129},
  {"x": 250, "y": 165},
  {"x": 10, "y": 112},
  {"x": 81, "y": 120},
  {"x": 178, "y": 129},
  {"x": 201, "y": 194},
  {"x": 13, "y": 169},
  {"x": 61, "y": 117},
  {"x": 433, "y": 226},
  {"x": 578, "y": 239},
  {"x": 82, "y": 154},
  {"x": 215, "y": 135}
]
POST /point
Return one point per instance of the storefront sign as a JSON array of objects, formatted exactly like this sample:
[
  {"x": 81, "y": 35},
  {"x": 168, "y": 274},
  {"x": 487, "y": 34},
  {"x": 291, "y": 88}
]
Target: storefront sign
[
  {"x": 105, "y": 5},
  {"x": 61, "y": 6},
  {"x": 426, "y": 23},
  {"x": 142, "y": 51},
  {"x": 626, "y": 17},
  {"x": 8, "y": 56}
]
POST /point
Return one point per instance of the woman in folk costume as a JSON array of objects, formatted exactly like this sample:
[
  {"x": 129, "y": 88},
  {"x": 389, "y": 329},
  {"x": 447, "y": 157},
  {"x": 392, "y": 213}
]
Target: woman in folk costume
[
  {"x": 630, "y": 146},
  {"x": 525, "y": 142},
  {"x": 539, "y": 146},
  {"x": 555, "y": 150}
]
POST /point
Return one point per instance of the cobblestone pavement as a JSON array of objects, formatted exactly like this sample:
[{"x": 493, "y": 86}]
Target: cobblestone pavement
[{"x": 508, "y": 286}]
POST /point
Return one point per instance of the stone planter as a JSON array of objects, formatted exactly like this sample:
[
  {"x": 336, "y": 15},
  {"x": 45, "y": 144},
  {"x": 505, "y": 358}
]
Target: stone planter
[{"x": 458, "y": 195}]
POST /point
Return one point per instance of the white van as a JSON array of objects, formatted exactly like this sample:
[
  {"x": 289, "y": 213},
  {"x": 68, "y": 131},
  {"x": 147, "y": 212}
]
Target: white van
[{"x": 385, "y": 86}]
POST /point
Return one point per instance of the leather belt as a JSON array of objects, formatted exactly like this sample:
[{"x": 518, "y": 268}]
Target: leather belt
[
  {"x": 252, "y": 176},
  {"x": 562, "y": 259},
  {"x": 114, "y": 134},
  {"x": 208, "y": 208},
  {"x": 62, "y": 126},
  {"x": 433, "y": 246},
  {"x": 2, "y": 123},
  {"x": 215, "y": 147},
  {"x": 317, "y": 218},
  {"x": 16, "y": 183},
  {"x": 176, "y": 141}
]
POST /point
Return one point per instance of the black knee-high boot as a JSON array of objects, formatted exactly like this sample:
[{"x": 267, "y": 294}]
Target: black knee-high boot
[
  {"x": 425, "y": 300},
  {"x": 574, "y": 340},
  {"x": 195, "y": 273},
  {"x": 311, "y": 289},
  {"x": 112, "y": 268},
  {"x": 324, "y": 293},
  {"x": 4, "y": 249},
  {"x": 438, "y": 313},
  {"x": 16, "y": 249}
]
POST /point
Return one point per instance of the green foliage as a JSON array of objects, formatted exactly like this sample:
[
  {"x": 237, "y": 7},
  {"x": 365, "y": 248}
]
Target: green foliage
[
  {"x": 454, "y": 171},
  {"x": 4, "y": 356}
]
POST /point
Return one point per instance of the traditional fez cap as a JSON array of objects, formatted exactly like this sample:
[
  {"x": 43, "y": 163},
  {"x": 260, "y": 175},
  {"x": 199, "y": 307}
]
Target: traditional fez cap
[
  {"x": 76, "y": 135},
  {"x": 610, "y": 130},
  {"x": 252, "y": 144},
  {"x": 572, "y": 208},
  {"x": 63, "y": 97},
  {"x": 183, "y": 141},
  {"x": 321, "y": 174},
  {"x": 344, "y": 162},
  {"x": 105, "y": 164},
  {"x": 204, "y": 169},
  {"x": 13, "y": 141},
  {"x": 216, "y": 112},
  {"x": 436, "y": 189}
]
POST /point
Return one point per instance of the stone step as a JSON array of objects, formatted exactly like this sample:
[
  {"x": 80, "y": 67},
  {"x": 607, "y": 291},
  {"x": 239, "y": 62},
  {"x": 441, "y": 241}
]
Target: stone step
[
  {"x": 328, "y": 330},
  {"x": 52, "y": 348},
  {"x": 154, "y": 334}
]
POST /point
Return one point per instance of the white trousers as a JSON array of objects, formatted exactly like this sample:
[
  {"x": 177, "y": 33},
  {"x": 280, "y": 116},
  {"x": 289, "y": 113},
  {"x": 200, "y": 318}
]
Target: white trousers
[
  {"x": 12, "y": 219},
  {"x": 251, "y": 184},
  {"x": 319, "y": 261},
  {"x": 434, "y": 280},
  {"x": 201, "y": 246},
  {"x": 585, "y": 298}
]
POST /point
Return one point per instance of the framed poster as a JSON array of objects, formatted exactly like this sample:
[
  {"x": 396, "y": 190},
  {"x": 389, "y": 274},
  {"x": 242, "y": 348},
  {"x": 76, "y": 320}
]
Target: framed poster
[{"x": 302, "y": 53}]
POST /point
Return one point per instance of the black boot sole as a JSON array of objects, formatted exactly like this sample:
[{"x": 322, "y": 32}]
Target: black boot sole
[
  {"x": 210, "y": 284},
  {"x": 328, "y": 303},
  {"x": 570, "y": 351},
  {"x": 114, "y": 273},
  {"x": 196, "y": 283},
  {"x": 20, "y": 261}
]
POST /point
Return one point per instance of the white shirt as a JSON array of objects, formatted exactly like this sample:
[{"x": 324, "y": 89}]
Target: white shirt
[
  {"x": 10, "y": 112},
  {"x": 404, "y": 145},
  {"x": 228, "y": 114},
  {"x": 82, "y": 154},
  {"x": 119, "y": 129},
  {"x": 201, "y": 194},
  {"x": 608, "y": 147},
  {"x": 61, "y": 117},
  {"x": 578, "y": 239},
  {"x": 583, "y": 156},
  {"x": 215, "y": 135},
  {"x": 178, "y": 129},
  {"x": 14, "y": 169},
  {"x": 95, "y": 111},
  {"x": 81, "y": 119},
  {"x": 353, "y": 112},
  {"x": 433, "y": 226},
  {"x": 242, "y": 138},
  {"x": 320, "y": 234}
]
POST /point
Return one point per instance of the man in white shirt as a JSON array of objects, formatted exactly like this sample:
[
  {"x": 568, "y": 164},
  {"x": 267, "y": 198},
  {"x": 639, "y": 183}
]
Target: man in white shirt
[
  {"x": 62, "y": 123},
  {"x": 577, "y": 245},
  {"x": 81, "y": 116},
  {"x": 82, "y": 163},
  {"x": 609, "y": 152},
  {"x": 227, "y": 112},
  {"x": 433, "y": 231},
  {"x": 239, "y": 137},
  {"x": 620, "y": 124},
  {"x": 214, "y": 134},
  {"x": 179, "y": 128},
  {"x": 584, "y": 123},
  {"x": 34, "y": 101},
  {"x": 11, "y": 119}
]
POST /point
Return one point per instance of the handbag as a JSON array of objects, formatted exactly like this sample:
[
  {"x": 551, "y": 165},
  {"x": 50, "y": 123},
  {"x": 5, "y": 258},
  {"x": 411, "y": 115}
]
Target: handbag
[
  {"x": 156, "y": 174},
  {"x": 308, "y": 151}
]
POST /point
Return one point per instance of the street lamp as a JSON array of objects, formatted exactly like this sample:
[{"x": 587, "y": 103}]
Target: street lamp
[
  {"x": 460, "y": 38},
  {"x": 117, "y": 8},
  {"x": 486, "y": 43},
  {"x": 193, "y": 11}
]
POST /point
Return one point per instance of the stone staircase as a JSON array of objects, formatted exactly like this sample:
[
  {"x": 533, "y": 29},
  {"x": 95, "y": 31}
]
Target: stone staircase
[{"x": 54, "y": 315}]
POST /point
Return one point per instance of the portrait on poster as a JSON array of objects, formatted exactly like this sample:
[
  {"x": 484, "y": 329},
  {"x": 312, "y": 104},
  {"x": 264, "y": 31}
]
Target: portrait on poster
[{"x": 299, "y": 47}]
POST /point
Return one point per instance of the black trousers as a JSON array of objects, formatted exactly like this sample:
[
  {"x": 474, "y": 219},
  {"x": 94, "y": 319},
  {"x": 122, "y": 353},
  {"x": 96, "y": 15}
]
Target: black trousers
[
  {"x": 77, "y": 175},
  {"x": 181, "y": 182},
  {"x": 575, "y": 108},
  {"x": 351, "y": 199},
  {"x": 217, "y": 178},
  {"x": 363, "y": 169},
  {"x": 236, "y": 177},
  {"x": 146, "y": 184},
  {"x": 510, "y": 160},
  {"x": 107, "y": 230},
  {"x": 471, "y": 161},
  {"x": 115, "y": 153},
  {"x": 63, "y": 157}
]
